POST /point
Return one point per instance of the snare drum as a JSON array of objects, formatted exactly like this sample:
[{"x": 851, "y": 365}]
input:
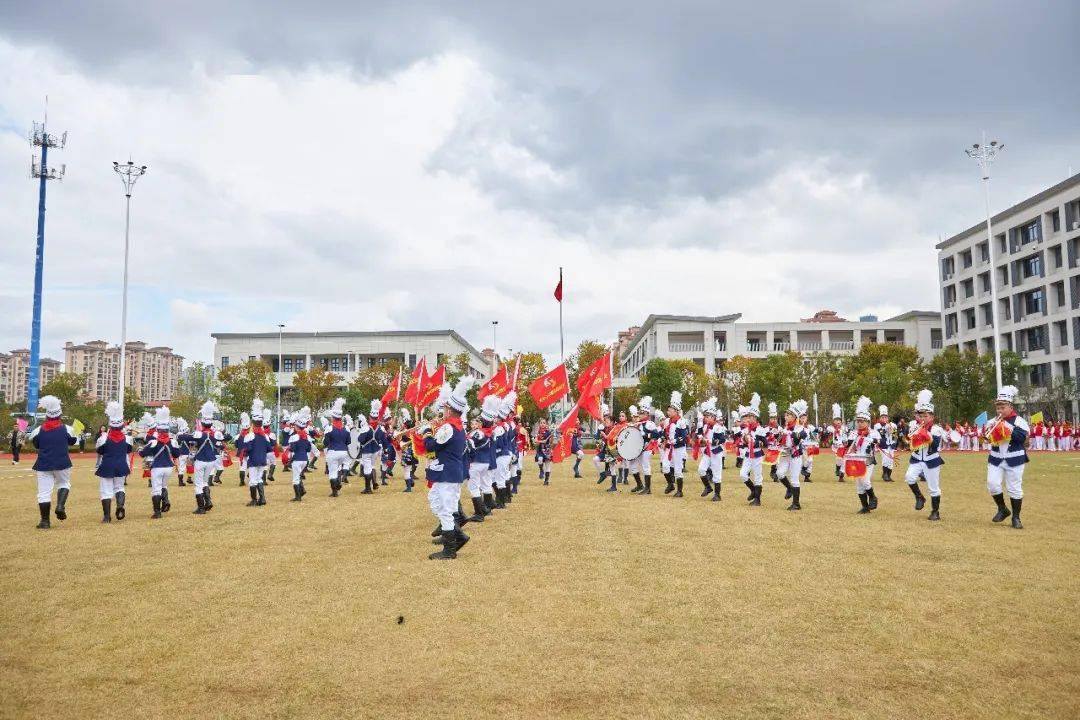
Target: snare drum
[
  {"x": 729, "y": 446},
  {"x": 855, "y": 467},
  {"x": 630, "y": 443},
  {"x": 771, "y": 456}
]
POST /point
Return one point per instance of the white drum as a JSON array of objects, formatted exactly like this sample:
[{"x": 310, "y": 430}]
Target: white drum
[
  {"x": 954, "y": 437},
  {"x": 630, "y": 443}
]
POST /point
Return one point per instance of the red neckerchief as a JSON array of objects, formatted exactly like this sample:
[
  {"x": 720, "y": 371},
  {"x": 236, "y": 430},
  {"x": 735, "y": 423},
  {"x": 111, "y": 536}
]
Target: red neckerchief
[
  {"x": 455, "y": 422},
  {"x": 51, "y": 424},
  {"x": 302, "y": 434},
  {"x": 487, "y": 430},
  {"x": 116, "y": 434},
  {"x": 162, "y": 437},
  {"x": 258, "y": 429},
  {"x": 791, "y": 425},
  {"x": 772, "y": 423},
  {"x": 337, "y": 424}
]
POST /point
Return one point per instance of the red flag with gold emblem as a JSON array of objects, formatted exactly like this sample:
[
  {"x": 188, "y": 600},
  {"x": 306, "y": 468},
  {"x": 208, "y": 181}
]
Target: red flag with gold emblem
[
  {"x": 429, "y": 389},
  {"x": 498, "y": 385},
  {"x": 596, "y": 378},
  {"x": 412, "y": 390},
  {"x": 550, "y": 387},
  {"x": 570, "y": 423}
]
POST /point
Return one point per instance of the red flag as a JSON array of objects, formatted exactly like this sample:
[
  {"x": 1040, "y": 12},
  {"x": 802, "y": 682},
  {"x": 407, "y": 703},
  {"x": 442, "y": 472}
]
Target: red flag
[
  {"x": 393, "y": 390},
  {"x": 498, "y": 385},
  {"x": 550, "y": 387},
  {"x": 591, "y": 405},
  {"x": 596, "y": 378},
  {"x": 517, "y": 372},
  {"x": 412, "y": 391},
  {"x": 562, "y": 449},
  {"x": 558, "y": 289},
  {"x": 429, "y": 389}
]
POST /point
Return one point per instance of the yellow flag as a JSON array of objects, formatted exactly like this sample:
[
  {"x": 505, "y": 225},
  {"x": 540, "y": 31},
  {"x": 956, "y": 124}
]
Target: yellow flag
[
  {"x": 78, "y": 427},
  {"x": 1037, "y": 417}
]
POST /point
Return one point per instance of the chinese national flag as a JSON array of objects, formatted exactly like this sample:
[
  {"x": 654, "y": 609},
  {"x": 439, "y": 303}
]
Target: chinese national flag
[
  {"x": 412, "y": 391},
  {"x": 498, "y": 385},
  {"x": 596, "y": 378},
  {"x": 562, "y": 449},
  {"x": 429, "y": 389},
  {"x": 550, "y": 387}
]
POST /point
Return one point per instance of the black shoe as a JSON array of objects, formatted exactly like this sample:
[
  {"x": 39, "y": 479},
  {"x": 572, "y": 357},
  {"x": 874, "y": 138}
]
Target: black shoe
[
  {"x": 296, "y": 493},
  {"x": 43, "y": 509},
  {"x": 920, "y": 501},
  {"x": 254, "y": 496},
  {"x": 334, "y": 488},
  {"x": 460, "y": 539},
  {"x": 262, "y": 494},
  {"x": 201, "y": 503},
  {"x": 756, "y": 495},
  {"x": 106, "y": 509},
  {"x": 120, "y": 511},
  {"x": 181, "y": 480},
  {"x": 1016, "y": 512},
  {"x": 61, "y": 503},
  {"x": 156, "y": 500},
  {"x": 478, "y": 510},
  {"x": 707, "y": 490},
  {"x": 669, "y": 476},
  {"x": 865, "y": 502},
  {"x": 206, "y": 499},
  {"x": 716, "y": 491},
  {"x": 795, "y": 499},
  {"x": 500, "y": 498},
  {"x": 678, "y": 487},
  {"x": 1002, "y": 512},
  {"x": 873, "y": 498},
  {"x": 489, "y": 502},
  {"x": 935, "y": 504},
  {"x": 750, "y": 486},
  {"x": 614, "y": 484},
  {"x": 648, "y": 485},
  {"x": 449, "y": 543},
  {"x": 603, "y": 476},
  {"x": 787, "y": 495}
]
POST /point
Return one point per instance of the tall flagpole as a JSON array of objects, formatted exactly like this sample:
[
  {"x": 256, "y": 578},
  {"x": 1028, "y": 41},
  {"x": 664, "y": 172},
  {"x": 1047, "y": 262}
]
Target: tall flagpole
[{"x": 562, "y": 354}]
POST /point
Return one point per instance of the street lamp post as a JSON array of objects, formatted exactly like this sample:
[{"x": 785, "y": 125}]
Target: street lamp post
[
  {"x": 129, "y": 175},
  {"x": 494, "y": 346},
  {"x": 280, "y": 329},
  {"x": 985, "y": 154}
]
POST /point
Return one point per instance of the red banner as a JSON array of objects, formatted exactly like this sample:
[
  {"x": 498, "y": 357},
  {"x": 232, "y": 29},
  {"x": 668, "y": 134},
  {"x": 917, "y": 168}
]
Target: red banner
[
  {"x": 551, "y": 387},
  {"x": 591, "y": 405},
  {"x": 416, "y": 380},
  {"x": 561, "y": 451},
  {"x": 393, "y": 390},
  {"x": 596, "y": 378},
  {"x": 498, "y": 385},
  {"x": 429, "y": 389}
]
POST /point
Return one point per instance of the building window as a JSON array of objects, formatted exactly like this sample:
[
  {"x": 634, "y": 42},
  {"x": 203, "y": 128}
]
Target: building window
[
  {"x": 1055, "y": 221},
  {"x": 1030, "y": 232},
  {"x": 984, "y": 252},
  {"x": 969, "y": 287},
  {"x": 288, "y": 364},
  {"x": 1036, "y": 338},
  {"x": 1031, "y": 267},
  {"x": 412, "y": 360},
  {"x": 251, "y": 357},
  {"x": 335, "y": 364},
  {"x": 300, "y": 362},
  {"x": 969, "y": 319},
  {"x": 224, "y": 361},
  {"x": 1035, "y": 302}
]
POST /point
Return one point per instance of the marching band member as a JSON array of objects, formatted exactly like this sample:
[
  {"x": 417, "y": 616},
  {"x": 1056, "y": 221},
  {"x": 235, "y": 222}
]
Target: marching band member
[
  {"x": 753, "y": 438},
  {"x": 738, "y": 426},
  {"x": 773, "y": 435},
  {"x": 889, "y": 442},
  {"x": 300, "y": 449},
  {"x": 602, "y": 458},
  {"x": 926, "y": 440},
  {"x": 674, "y": 456},
  {"x": 576, "y": 449},
  {"x": 113, "y": 448},
  {"x": 839, "y": 440},
  {"x": 520, "y": 446},
  {"x": 222, "y": 448},
  {"x": 370, "y": 445},
  {"x": 642, "y": 464},
  {"x": 53, "y": 465},
  {"x": 205, "y": 440},
  {"x": 713, "y": 436},
  {"x": 794, "y": 439},
  {"x": 182, "y": 430},
  {"x": 161, "y": 450},
  {"x": 543, "y": 450},
  {"x": 336, "y": 446},
  {"x": 409, "y": 462},
  {"x": 1007, "y": 434},
  {"x": 622, "y": 467},
  {"x": 256, "y": 445},
  {"x": 860, "y": 446},
  {"x": 389, "y": 448},
  {"x": 245, "y": 426},
  {"x": 446, "y": 472},
  {"x": 483, "y": 464},
  {"x": 810, "y": 446},
  {"x": 505, "y": 445}
]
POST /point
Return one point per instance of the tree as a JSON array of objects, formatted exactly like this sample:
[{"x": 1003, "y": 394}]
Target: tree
[
  {"x": 456, "y": 367},
  {"x": 69, "y": 387},
  {"x": 588, "y": 352},
  {"x": 659, "y": 380},
  {"x": 776, "y": 379},
  {"x": 624, "y": 398},
  {"x": 133, "y": 406},
  {"x": 199, "y": 381},
  {"x": 694, "y": 382},
  {"x": 241, "y": 384},
  {"x": 184, "y": 405},
  {"x": 887, "y": 374},
  {"x": 318, "y": 387},
  {"x": 1054, "y": 401},
  {"x": 962, "y": 383}
]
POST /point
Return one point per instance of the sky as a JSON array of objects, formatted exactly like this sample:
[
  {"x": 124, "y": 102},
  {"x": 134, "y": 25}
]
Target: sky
[{"x": 429, "y": 165}]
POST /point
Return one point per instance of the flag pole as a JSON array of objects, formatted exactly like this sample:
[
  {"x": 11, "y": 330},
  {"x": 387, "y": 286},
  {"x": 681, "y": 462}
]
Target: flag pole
[{"x": 562, "y": 353}]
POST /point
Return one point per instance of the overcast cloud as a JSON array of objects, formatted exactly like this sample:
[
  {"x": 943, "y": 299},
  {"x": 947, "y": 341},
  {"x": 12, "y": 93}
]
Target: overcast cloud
[{"x": 412, "y": 165}]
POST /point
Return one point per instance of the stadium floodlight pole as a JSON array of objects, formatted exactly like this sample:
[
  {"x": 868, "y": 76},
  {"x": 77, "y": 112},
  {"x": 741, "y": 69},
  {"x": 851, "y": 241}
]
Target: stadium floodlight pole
[
  {"x": 39, "y": 137},
  {"x": 985, "y": 155},
  {"x": 280, "y": 329},
  {"x": 129, "y": 175}
]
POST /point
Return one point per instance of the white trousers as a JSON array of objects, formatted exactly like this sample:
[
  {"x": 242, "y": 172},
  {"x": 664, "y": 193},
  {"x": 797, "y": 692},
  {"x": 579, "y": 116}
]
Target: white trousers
[
  {"x": 181, "y": 465},
  {"x": 336, "y": 461},
  {"x": 219, "y": 464},
  {"x": 443, "y": 499},
  {"x": 751, "y": 470},
  {"x": 642, "y": 463},
  {"x": 255, "y": 475},
  {"x": 932, "y": 475},
  {"x": 204, "y": 473},
  {"x": 711, "y": 462},
  {"x": 864, "y": 483},
  {"x": 794, "y": 471},
  {"x": 1012, "y": 477},
  {"x": 108, "y": 487},
  {"x": 159, "y": 479},
  {"x": 368, "y": 462},
  {"x": 888, "y": 459},
  {"x": 297, "y": 468},
  {"x": 675, "y": 462},
  {"x": 502, "y": 471},
  {"x": 47, "y": 479},
  {"x": 479, "y": 479}
]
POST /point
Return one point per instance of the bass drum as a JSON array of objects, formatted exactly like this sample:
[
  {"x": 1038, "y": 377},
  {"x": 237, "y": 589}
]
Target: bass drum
[
  {"x": 354, "y": 444},
  {"x": 954, "y": 437},
  {"x": 630, "y": 443}
]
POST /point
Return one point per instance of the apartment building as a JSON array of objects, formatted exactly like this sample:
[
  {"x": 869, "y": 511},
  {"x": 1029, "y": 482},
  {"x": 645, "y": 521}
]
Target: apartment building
[
  {"x": 15, "y": 374},
  {"x": 154, "y": 372}
]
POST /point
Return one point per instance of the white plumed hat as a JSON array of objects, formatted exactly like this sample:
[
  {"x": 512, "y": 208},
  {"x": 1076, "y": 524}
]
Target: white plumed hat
[
  {"x": 338, "y": 408},
  {"x": 51, "y": 405},
  {"x": 1007, "y": 393},
  {"x": 883, "y": 410},
  {"x": 489, "y": 408},
  {"x": 162, "y": 418},
  {"x": 862, "y": 408},
  {"x": 303, "y": 416},
  {"x": 405, "y": 417},
  {"x": 509, "y": 404},
  {"x": 376, "y": 406},
  {"x": 646, "y": 404},
  {"x": 708, "y": 407},
  {"x": 115, "y": 413},
  {"x": 924, "y": 401},
  {"x": 676, "y": 400},
  {"x": 245, "y": 420},
  {"x": 754, "y": 408},
  {"x": 457, "y": 399},
  {"x": 772, "y": 409},
  {"x": 798, "y": 408},
  {"x": 181, "y": 425},
  {"x": 604, "y": 410},
  {"x": 257, "y": 410},
  {"x": 837, "y": 413},
  {"x": 206, "y": 412},
  {"x": 633, "y": 410}
]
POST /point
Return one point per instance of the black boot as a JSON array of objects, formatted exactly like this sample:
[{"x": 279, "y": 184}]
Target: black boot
[
  {"x": 873, "y": 498},
  {"x": 489, "y": 502},
  {"x": 106, "y": 509},
  {"x": 449, "y": 543},
  {"x": 716, "y": 491},
  {"x": 207, "y": 504},
  {"x": 614, "y": 483},
  {"x": 1003, "y": 512},
  {"x": 795, "y": 499},
  {"x": 367, "y": 486},
  {"x": 638, "y": 487},
  {"x": 678, "y": 487},
  {"x": 270, "y": 473},
  {"x": 547, "y": 478},
  {"x": 478, "y": 510},
  {"x": 887, "y": 475},
  {"x": 1016, "y": 503},
  {"x": 756, "y": 492},
  {"x": 706, "y": 485},
  {"x": 43, "y": 509},
  {"x": 121, "y": 497},
  {"x": 156, "y": 500},
  {"x": 166, "y": 506},
  {"x": 201, "y": 505},
  {"x": 335, "y": 486},
  {"x": 243, "y": 479},
  {"x": 500, "y": 495},
  {"x": 648, "y": 485},
  {"x": 865, "y": 502},
  {"x": 217, "y": 476},
  {"x": 460, "y": 539},
  {"x": 254, "y": 496},
  {"x": 670, "y": 477},
  {"x": 180, "y": 477},
  {"x": 61, "y": 503},
  {"x": 296, "y": 493},
  {"x": 374, "y": 481},
  {"x": 920, "y": 500},
  {"x": 786, "y": 484},
  {"x": 935, "y": 504},
  {"x": 749, "y": 486},
  {"x": 772, "y": 474},
  {"x": 577, "y": 468},
  {"x": 262, "y": 493},
  {"x": 603, "y": 476}
]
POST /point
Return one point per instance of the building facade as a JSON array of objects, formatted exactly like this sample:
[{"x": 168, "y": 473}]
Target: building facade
[
  {"x": 345, "y": 353},
  {"x": 153, "y": 372},
  {"x": 711, "y": 340},
  {"x": 1037, "y": 279},
  {"x": 15, "y": 374}
]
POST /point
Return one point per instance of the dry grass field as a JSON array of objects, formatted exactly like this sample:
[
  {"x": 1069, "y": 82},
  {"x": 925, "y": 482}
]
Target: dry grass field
[{"x": 572, "y": 603}]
